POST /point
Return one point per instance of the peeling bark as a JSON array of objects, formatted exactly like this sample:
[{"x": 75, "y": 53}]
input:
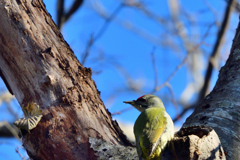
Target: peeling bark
[
  {"x": 38, "y": 66},
  {"x": 195, "y": 143}
]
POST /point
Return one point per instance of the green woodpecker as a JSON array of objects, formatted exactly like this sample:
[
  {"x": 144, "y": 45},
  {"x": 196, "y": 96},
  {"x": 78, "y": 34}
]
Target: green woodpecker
[{"x": 153, "y": 127}]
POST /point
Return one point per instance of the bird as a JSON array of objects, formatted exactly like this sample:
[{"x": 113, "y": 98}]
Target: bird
[{"x": 153, "y": 128}]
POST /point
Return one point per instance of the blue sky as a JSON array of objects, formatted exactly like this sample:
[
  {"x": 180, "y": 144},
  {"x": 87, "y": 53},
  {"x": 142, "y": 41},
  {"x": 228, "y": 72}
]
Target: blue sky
[{"x": 119, "y": 46}]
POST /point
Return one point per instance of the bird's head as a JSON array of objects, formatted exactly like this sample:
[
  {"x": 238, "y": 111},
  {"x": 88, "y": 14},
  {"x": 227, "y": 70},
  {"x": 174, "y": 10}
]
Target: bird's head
[{"x": 146, "y": 101}]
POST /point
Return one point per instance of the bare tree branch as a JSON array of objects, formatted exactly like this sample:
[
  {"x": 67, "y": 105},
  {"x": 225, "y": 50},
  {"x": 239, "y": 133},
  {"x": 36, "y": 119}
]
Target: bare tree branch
[
  {"x": 154, "y": 69},
  {"x": 172, "y": 74},
  {"x": 7, "y": 130},
  {"x": 216, "y": 50},
  {"x": 213, "y": 58},
  {"x": 63, "y": 17},
  {"x": 93, "y": 39},
  {"x": 77, "y": 4},
  {"x": 60, "y": 13},
  {"x": 122, "y": 111},
  {"x": 128, "y": 25},
  {"x": 18, "y": 152},
  {"x": 142, "y": 7},
  {"x": 237, "y": 6}
]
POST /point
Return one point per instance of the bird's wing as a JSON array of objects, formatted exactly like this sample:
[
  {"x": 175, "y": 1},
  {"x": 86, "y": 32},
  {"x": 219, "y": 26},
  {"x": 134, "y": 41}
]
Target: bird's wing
[
  {"x": 138, "y": 146},
  {"x": 156, "y": 126}
]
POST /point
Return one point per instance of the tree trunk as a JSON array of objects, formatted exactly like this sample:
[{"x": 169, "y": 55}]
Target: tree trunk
[
  {"x": 221, "y": 108},
  {"x": 37, "y": 65}
]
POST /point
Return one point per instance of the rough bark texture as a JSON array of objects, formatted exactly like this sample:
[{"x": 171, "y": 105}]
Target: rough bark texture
[
  {"x": 191, "y": 143},
  {"x": 221, "y": 108},
  {"x": 37, "y": 65},
  {"x": 195, "y": 143},
  {"x": 105, "y": 150}
]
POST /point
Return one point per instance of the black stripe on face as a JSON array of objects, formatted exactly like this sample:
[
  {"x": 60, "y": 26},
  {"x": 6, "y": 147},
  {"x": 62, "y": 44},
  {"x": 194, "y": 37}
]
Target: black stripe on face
[{"x": 142, "y": 100}]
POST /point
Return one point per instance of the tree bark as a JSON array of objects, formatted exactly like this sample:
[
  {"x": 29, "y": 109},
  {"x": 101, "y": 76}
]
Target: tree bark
[
  {"x": 37, "y": 65},
  {"x": 221, "y": 108}
]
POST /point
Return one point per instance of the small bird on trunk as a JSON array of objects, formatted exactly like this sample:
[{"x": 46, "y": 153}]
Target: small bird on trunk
[{"x": 153, "y": 127}]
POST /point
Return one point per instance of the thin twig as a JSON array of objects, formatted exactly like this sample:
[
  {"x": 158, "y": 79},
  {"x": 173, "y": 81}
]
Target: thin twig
[
  {"x": 128, "y": 25},
  {"x": 186, "y": 108},
  {"x": 62, "y": 17},
  {"x": 155, "y": 69},
  {"x": 17, "y": 150},
  {"x": 77, "y": 4},
  {"x": 183, "y": 112},
  {"x": 183, "y": 61},
  {"x": 7, "y": 130},
  {"x": 178, "y": 67},
  {"x": 173, "y": 73},
  {"x": 11, "y": 111},
  {"x": 121, "y": 111},
  {"x": 142, "y": 7},
  {"x": 213, "y": 10},
  {"x": 173, "y": 96},
  {"x": 60, "y": 13},
  {"x": 93, "y": 39},
  {"x": 216, "y": 50}
]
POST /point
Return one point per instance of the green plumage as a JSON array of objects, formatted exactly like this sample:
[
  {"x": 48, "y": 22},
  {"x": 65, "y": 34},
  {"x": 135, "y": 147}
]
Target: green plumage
[
  {"x": 147, "y": 129},
  {"x": 153, "y": 127}
]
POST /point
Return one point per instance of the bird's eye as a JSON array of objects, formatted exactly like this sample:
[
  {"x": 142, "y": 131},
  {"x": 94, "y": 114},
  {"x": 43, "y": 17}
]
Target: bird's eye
[{"x": 142, "y": 100}]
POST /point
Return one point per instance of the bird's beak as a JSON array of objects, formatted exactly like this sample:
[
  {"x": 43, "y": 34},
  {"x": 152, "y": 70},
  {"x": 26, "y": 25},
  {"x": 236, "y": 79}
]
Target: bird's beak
[
  {"x": 129, "y": 102},
  {"x": 136, "y": 104}
]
